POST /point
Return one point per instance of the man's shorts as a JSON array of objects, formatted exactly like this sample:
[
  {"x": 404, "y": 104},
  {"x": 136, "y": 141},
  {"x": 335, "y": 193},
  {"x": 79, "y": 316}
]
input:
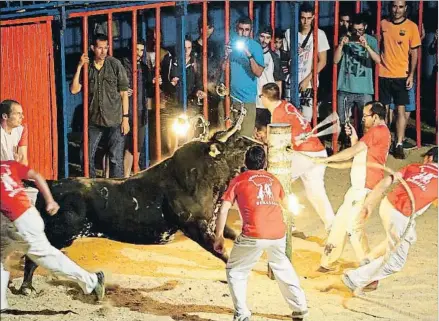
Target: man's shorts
[
  {"x": 411, "y": 106},
  {"x": 393, "y": 89}
]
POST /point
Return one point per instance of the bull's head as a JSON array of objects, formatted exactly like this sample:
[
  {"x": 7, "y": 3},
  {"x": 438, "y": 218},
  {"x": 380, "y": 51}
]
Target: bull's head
[{"x": 231, "y": 145}]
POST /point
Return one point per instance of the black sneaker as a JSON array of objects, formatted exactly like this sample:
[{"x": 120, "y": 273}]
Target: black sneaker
[
  {"x": 407, "y": 145},
  {"x": 99, "y": 290},
  {"x": 398, "y": 152}
]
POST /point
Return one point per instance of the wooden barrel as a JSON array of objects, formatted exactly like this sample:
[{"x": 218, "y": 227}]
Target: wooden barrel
[{"x": 279, "y": 164}]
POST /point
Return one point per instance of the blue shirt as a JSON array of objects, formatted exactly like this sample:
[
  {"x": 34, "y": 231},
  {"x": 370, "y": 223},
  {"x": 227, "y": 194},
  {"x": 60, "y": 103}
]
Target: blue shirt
[
  {"x": 356, "y": 73},
  {"x": 243, "y": 81}
]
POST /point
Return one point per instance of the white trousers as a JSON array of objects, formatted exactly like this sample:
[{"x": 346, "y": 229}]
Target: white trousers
[
  {"x": 347, "y": 222},
  {"x": 391, "y": 259},
  {"x": 28, "y": 236},
  {"x": 245, "y": 254},
  {"x": 313, "y": 178}
]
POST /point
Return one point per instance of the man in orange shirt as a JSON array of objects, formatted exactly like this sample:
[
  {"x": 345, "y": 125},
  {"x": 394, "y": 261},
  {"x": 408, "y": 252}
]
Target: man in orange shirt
[
  {"x": 371, "y": 149},
  {"x": 302, "y": 166},
  {"x": 401, "y": 41},
  {"x": 28, "y": 231},
  {"x": 395, "y": 210},
  {"x": 259, "y": 196}
]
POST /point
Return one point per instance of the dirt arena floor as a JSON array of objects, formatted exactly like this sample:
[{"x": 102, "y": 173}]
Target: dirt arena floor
[{"x": 181, "y": 281}]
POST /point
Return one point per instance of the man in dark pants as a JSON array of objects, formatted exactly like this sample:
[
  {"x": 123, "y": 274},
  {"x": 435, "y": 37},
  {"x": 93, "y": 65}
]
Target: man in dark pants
[
  {"x": 108, "y": 104},
  {"x": 141, "y": 105}
]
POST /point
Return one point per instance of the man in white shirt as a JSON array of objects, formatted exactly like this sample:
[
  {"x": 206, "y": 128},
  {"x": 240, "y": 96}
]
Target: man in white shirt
[
  {"x": 306, "y": 45},
  {"x": 14, "y": 142},
  {"x": 13, "y": 133}
]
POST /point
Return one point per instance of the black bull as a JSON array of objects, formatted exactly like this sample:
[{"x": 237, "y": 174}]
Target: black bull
[{"x": 180, "y": 193}]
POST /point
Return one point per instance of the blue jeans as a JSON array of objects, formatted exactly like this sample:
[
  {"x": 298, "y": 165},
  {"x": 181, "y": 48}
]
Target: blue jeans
[
  {"x": 114, "y": 147},
  {"x": 347, "y": 100}
]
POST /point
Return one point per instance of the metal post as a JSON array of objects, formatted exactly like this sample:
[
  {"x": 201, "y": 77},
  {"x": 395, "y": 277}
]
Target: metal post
[
  {"x": 227, "y": 71},
  {"x": 146, "y": 141},
  {"x": 294, "y": 68},
  {"x": 110, "y": 33},
  {"x": 418, "y": 78},
  {"x": 64, "y": 89},
  {"x": 135, "y": 89},
  {"x": 85, "y": 98},
  {"x": 157, "y": 85},
  {"x": 272, "y": 21},
  {"x": 180, "y": 50},
  {"x": 357, "y": 6},
  {"x": 205, "y": 80},
  {"x": 315, "y": 61},
  {"x": 251, "y": 15},
  {"x": 378, "y": 36},
  {"x": 335, "y": 70}
]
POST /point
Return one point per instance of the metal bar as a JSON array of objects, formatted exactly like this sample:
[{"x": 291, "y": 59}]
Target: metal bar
[
  {"x": 182, "y": 51},
  {"x": 129, "y": 7},
  {"x": 315, "y": 62},
  {"x": 227, "y": 71},
  {"x": 85, "y": 95},
  {"x": 272, "y": 21},
  {"x": 110, "y": 33},
  {"x": 27, "y": 20},
  {"x": 251, "y": 15},
  {"x": 135, "y": 89},
  {"x": 335, "y": 70},
  {"x": 355, "y": 110},
  {"x": 146, "y": 140},
  {"x": 53, "y": 106},
  {"x": 20, "y": 15},
  {"x": 378, "y": 36},
  {"x": 27, "y": 7},
  {"x": 157, "y": 85},
  {"x": 418, "y": 78},
  {"x": 64, "y": 90},
  {"x": 357, "y": 6},
  {"x": 294, "y": 68},
  {"x": 205, "y": 80}
]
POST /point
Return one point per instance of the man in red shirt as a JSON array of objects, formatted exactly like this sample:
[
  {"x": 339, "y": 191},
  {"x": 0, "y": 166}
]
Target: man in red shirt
[
  {"x": 259, "y": 196},
  {"x": 395, "y": 210},
  {"x": 372, "y": 149},
  {"x": 29, "y": 231},
  {"x": 312, "y": 175}
]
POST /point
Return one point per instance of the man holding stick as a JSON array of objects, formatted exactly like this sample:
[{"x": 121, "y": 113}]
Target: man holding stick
[{"x": 371, "y": 149}]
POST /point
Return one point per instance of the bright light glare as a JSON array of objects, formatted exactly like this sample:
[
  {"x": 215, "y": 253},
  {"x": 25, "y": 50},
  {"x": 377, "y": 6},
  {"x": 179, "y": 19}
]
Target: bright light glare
[
  {"x": 240, "y": 45},
  {"x": 181, "y": 125},
  {"x": 293, "y": 204}
]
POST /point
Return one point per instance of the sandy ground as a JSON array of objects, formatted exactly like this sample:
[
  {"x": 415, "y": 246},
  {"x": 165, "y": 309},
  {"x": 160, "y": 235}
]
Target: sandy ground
[{"x": 181, "y": 281}]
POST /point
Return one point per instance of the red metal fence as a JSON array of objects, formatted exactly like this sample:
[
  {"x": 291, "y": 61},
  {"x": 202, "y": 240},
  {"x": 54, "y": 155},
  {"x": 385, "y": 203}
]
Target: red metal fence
[{"x": 28, "y": 76}]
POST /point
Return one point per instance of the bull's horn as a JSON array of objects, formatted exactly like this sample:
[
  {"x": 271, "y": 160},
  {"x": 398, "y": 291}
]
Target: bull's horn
[
  {"x": 237, "y": 126},
  {"x": 224, "y": 137}
]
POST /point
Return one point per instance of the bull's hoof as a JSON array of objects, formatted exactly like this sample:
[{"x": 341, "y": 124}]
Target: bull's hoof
[{"x": 27, "y": 290}]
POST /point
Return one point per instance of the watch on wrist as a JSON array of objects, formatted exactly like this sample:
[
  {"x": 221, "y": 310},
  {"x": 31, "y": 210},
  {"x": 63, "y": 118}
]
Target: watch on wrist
[
  {"x": 126, "y": 115},
  {"x": 250, "y": 57}
]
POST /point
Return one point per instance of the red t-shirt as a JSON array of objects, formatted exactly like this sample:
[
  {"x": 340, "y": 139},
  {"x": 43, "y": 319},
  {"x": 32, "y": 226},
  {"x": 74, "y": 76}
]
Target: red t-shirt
[
  {"x": 287, "y": 113},
  {"x": 14, "y": 201},
  {"x": 258, "y": 194},
  {"x": 422, "y": 180},
  {"x": 377, "y": 140}
]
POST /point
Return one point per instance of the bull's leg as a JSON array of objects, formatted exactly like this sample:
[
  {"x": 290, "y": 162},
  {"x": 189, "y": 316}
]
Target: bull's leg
[
  {"x": 29, "y": 269},
  {"x": 229, "y": 233},
  {"x": 199, "y": 232}
]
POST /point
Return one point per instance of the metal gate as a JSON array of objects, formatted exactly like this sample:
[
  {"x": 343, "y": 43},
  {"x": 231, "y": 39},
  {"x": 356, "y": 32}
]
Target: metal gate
[{"x": 27, "y": 75}]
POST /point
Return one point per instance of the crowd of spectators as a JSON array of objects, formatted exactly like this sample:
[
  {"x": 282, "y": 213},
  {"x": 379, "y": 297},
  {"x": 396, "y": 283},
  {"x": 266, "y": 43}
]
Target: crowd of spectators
[{"x": 253, "y": 63}]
